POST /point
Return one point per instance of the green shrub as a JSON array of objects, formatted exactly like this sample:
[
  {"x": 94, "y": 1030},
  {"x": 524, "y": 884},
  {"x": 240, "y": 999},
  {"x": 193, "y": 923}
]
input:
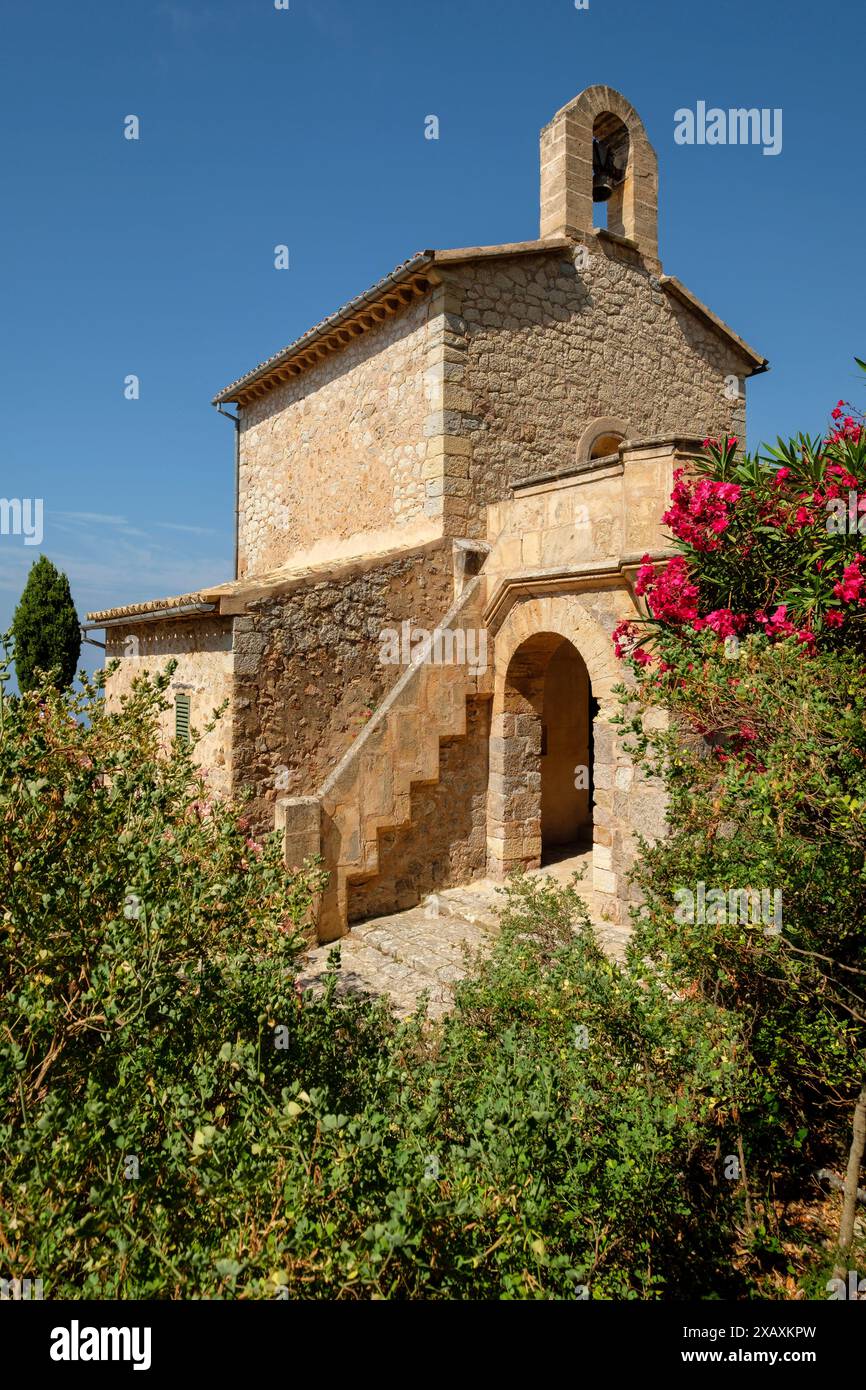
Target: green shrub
[
  {"x": 176, "y": 1120},
  {"x": 138, "y": 921}
]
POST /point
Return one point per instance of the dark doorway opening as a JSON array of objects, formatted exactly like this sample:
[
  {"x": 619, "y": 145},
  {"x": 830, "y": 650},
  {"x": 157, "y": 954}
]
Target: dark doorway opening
[
  {"x": 566, "y": 756},
  {"x": 541, "y": 802}
]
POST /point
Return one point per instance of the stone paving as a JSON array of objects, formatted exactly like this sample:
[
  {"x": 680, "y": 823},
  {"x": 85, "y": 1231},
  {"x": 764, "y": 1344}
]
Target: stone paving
[{"x": 428, "y": 948}]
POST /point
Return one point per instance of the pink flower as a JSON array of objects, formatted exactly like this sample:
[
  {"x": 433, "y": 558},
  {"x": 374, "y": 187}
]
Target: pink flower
[
  {"x": 777, "y": 625},
  {"x": 670, "y": 594},
  {"x": 645, "y": 574},
  {"x": 845, "y": 478},
  {"x": 699, "y": 510},
  {"x": 724, "y": 622},
  {"x": 851, "y": 584},
  {"x": 849, "y": 428},
  {"x": 624, "y": 637}
]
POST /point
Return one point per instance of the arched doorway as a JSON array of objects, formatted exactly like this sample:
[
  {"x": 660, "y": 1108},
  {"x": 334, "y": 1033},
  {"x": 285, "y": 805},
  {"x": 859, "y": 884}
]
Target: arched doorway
[
  {"x": 566, "y": 757},
  {"x": 541, "y": 782}
]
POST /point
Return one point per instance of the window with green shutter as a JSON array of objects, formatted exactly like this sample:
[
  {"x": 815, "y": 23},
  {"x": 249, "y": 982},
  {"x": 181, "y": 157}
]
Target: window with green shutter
[{"x": 181, "y": 717}]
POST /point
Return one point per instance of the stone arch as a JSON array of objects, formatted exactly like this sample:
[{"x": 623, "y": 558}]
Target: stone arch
[
  {"x": 624, "y": 802},
  {"x": 566, "y": 170},
  {"x": 565, "y": 615},
  {"x": 525, "y": 654},
  {"x": 592, "y": 443}
]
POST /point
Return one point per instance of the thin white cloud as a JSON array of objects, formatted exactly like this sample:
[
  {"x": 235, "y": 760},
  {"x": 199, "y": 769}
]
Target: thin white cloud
[
  {"x": 110, "y": 562},
  {"x": 97, "y": 518},
  {"x": 190, "y": 530}
]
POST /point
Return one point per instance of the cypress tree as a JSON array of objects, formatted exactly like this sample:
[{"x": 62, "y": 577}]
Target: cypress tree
[{"x": 45, "y": 627}]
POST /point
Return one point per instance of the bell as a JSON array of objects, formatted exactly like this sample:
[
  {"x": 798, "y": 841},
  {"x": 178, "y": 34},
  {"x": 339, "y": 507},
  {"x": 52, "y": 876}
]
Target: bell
[{"x": 605, "y": 175}]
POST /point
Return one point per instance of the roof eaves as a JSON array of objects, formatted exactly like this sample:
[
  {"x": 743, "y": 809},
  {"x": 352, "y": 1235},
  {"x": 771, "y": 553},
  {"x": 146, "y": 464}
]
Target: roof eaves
[
  {"x": 691, "y": 301},
  {"x": 403, "y": 273},
  {"x": 321, "y": 330},
  {"x": 180, "y": 605}
]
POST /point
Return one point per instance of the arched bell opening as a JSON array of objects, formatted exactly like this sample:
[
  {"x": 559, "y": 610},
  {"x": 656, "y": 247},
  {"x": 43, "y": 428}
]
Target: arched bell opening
[{"x": 611, "y": 153}]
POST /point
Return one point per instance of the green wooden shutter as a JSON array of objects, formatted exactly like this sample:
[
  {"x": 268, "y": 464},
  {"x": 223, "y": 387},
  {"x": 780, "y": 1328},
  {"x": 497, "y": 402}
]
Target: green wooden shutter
[{"x": 181, "y": 717}]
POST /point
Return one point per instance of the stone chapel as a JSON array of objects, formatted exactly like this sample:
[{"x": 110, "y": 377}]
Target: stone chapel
[{"x": 444, "y": 491}]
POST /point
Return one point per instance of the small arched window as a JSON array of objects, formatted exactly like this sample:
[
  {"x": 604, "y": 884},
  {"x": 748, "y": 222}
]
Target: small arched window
[
  {"x": 605, "y": 444},
  {"x": 601, "y": 438}
]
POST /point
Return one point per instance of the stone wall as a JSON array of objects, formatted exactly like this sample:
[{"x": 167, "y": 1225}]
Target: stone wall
[
  {"x": 627, "y": 803},
  {"x": 202, "y": 648},
  {"x": 446, "y": 842},
  {"x": 309, "y": 669},
  {"x": 340, "y": 449},
  {"x": 624, "y": 801},
  {"x": 492, "y": 378},
  {"x": 598, "y": 514},
  {"x": 545, "y": 346}
]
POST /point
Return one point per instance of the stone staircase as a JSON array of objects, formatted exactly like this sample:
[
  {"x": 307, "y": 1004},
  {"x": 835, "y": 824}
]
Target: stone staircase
[
  {"x": 428, "y": 949},
  {"x": 370, "y": 789}
]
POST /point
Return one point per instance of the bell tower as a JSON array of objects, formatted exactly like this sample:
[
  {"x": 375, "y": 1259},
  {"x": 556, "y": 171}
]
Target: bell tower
[{"x": 596, "y": 149}]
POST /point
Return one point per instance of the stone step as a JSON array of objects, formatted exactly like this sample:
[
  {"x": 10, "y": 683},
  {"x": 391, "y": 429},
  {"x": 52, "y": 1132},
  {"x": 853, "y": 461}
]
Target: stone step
[
  {"x": 446, "y": 929},
  {"x": 466, "y": 906},
  {"x": 366, "y": 970},
  {"x": 370, "y": 790},
  {"x": 428, "y": 949},
  {"x": 435, "y": 948}
]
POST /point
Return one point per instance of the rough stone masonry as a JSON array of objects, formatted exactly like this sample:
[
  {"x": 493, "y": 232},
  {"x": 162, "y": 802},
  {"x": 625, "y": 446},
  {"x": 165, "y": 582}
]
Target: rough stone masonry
[{"x": 485, "y": 441}]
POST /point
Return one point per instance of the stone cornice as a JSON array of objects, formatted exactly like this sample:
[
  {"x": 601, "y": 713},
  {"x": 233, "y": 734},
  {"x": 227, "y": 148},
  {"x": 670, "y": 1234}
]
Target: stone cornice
[{"x": 541, "y": 583}]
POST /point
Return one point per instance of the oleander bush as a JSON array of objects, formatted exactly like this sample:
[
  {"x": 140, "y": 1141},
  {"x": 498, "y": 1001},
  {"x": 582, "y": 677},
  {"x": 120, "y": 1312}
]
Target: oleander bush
[
  {"x": 769, "y": 543},
  {"x": 754, "y": 644}
]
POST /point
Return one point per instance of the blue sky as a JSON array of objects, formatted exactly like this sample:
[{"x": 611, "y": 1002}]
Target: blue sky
[{"x": 306, "y": 127}]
